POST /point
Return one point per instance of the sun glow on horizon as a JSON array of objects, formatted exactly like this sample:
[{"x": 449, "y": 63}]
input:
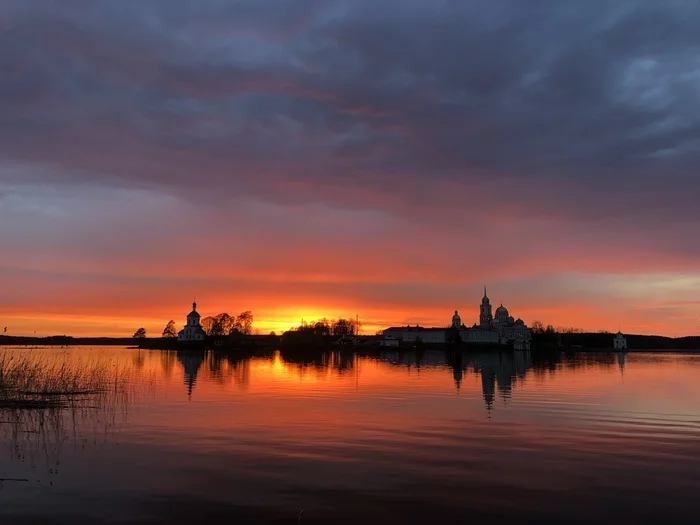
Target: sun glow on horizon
[{"x": 654, "y": 305}]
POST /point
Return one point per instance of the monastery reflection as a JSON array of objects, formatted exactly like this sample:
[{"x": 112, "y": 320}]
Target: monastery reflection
[{"x": 498, "y": 371}]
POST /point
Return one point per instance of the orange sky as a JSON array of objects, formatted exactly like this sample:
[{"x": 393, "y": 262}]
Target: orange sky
[
  {"x": 106, "y": 262},
  {"x": 114, "y": 302},
  {"x": 92, "y": 295},
  {"x": 122, "y": 322}
]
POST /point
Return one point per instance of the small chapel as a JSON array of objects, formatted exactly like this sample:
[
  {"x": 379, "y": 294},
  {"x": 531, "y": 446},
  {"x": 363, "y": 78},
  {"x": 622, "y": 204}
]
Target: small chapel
[
  {"x": 193, "y": 330},
  {"x": 620, "y": 341}
]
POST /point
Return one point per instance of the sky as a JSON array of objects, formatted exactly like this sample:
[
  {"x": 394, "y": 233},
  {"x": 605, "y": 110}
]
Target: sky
[{"x": 310, "y": 158}]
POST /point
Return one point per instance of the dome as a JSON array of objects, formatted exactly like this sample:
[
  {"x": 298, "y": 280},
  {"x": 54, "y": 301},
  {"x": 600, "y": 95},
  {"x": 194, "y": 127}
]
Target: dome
[
  {"x": 519, "y": 321},
  {"x": 455, "y": 317},
  {"x": 502, "y": 310},
  {"x": 194, "y": 312}
]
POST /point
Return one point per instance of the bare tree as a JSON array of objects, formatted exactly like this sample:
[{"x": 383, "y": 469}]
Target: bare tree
[
  {"x": 322, "y": 327},
  {"x": 169, "y": 331},
  {"x": 569, "y": 330},
  {"x": 537, "y": 327},
  {"x": 343, "y": 327},
  {"x": 244, "y": 322},
  {"x": 224, "y": 324},
  {"x": 207, "y": 325}
]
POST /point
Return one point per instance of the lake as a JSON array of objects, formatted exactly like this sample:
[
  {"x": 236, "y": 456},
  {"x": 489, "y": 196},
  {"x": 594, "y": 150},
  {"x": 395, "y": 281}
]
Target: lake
[{"x": 312, "y": 437}]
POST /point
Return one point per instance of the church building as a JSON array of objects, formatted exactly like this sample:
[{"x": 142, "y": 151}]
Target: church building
[
  {"x": 620, "y": 342},
  {"x": 193, "y": 330},
  {"x": 499, "y": 329}
]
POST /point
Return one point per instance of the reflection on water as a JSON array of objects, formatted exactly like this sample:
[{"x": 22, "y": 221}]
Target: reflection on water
[
  {"x": 499, "y": 371},
  {"x": 395, "y": 437}
]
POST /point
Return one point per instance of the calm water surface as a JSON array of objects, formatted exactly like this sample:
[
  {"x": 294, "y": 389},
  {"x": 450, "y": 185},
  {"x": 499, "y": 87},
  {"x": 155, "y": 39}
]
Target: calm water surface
[{"x": 410, "y": 438}]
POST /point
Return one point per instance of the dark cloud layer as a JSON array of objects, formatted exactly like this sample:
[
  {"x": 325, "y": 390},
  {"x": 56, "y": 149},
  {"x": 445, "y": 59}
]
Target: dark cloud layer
[{"x": 581, "y": 110}]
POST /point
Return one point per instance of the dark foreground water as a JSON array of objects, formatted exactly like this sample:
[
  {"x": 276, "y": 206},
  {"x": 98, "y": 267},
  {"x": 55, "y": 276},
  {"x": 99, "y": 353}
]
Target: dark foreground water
[{"x": 411, "y": 438}]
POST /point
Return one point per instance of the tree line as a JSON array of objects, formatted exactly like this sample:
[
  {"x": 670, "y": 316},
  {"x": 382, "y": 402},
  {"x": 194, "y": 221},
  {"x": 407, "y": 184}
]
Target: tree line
[
  {"x": 538, "y": 327},
  {"x": 335, "y": 327},
  {"x": 225, "y": 324},
  {"x": 219, "y": 325}
]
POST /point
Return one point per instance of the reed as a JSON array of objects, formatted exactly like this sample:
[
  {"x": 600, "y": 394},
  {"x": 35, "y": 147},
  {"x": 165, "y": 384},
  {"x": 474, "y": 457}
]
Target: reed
[{"x": 30, "y": 382}]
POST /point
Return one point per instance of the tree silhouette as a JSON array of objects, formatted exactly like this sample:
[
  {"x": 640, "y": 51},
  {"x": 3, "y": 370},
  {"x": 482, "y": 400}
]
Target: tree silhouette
[
  {"x": 207, "y": 325},
  {"x": 140, "y": 333},
  {"x": 318, "y": 328},
  {"x": 244, "y": 322},
  {"x": 343, "y": 327},
  {"x": 169, "y": 330},
  {"x": 322, "y": 327},
  {"x": 224, "y": 324}
]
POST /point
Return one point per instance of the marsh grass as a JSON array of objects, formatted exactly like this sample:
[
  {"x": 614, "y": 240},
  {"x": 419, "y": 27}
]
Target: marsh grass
[
  {"x": 37, "y": 383},
  {"x": 49, "y": 400}
]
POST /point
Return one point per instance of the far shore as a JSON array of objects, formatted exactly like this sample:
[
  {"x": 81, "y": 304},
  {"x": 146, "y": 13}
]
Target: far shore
[{"x": 591, "y": 342}]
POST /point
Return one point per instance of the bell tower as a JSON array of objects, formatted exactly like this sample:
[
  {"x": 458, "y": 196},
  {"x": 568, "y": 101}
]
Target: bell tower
[{"x": 485, "y": 313}]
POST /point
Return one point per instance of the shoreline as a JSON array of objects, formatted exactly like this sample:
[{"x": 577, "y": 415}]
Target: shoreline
[{"x": 274, "y": 343}]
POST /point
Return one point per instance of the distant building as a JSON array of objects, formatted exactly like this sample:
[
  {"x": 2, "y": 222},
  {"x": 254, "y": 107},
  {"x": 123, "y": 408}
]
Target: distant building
[
  {"x": 193, "y": 331},
  {"x": 415, "y": 334},
  {"x": 511, "y": 330},
  {"x": 502, "y": 329},
  {"x": 388, "y": 341},
  {"x": 620, "y": 342}
]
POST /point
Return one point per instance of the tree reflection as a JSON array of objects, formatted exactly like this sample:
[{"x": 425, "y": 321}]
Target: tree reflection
[
  {"x": 168, "y": 358},
  {"x": 218, "y": 367}
]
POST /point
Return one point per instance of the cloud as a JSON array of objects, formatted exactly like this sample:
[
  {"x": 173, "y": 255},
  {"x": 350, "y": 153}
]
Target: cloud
[{"x": 459, "y": 90}]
